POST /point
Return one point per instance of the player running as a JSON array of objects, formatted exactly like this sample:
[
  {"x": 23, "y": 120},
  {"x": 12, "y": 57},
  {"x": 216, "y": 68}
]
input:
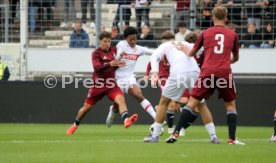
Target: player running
[
  {"x": 129, "y": 52},
  {"x": 104, "y": 64},
  {"x": 183, "y": 73},
  {"x": 218, "y": 43}
]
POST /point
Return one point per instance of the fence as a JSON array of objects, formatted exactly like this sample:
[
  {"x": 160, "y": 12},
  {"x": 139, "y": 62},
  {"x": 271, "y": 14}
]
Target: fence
[{"x": 50, "y": 22}]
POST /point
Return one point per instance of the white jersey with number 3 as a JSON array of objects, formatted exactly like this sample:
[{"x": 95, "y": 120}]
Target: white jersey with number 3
[{"x": 133, "y": 53}]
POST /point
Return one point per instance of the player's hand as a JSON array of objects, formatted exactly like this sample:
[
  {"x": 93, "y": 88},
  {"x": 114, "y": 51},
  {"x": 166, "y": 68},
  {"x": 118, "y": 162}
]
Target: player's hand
[
  {"x": 121, "y": 63},
  {"x": 185, "y": 49},
  {"x": 114, "y": 63},
  {"x": 154, "y": 79},
  {"x": 146, "y": 77}
]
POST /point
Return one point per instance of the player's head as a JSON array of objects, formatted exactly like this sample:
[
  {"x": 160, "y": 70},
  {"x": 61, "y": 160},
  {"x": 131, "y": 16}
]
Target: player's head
[
  {"x": 167, "y": 36},
  {"x": 105, "y": 40},
  {"x": 191, "y": 37},
  {"x": 77, "y": 26},
  {"x": 130, "y": 34},
  {"x": 219, "y": 14}
]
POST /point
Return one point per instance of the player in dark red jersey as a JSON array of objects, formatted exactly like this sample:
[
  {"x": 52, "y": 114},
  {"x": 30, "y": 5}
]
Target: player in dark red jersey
[
  {"x": 218, "y": 43},
  {"x": 104, "y": 65},
  {"x": 273, "y": 137}
]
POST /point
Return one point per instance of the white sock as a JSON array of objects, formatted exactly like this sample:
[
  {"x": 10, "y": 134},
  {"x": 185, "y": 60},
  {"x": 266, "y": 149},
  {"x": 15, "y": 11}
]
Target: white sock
[
  {"x": 148, "y": 107},
  {"x": 211, "y": 130},
  {"x": 157, "y": 129}
]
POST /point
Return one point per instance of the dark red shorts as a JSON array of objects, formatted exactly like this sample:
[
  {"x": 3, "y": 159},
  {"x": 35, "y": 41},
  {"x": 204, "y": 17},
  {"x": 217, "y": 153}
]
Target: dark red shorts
[
  {"x": 186, "y": 93},
  {"x": 162, "y": 82},
  {"x": 205, "y": 87},
  {"x": 95, "y": 94}
]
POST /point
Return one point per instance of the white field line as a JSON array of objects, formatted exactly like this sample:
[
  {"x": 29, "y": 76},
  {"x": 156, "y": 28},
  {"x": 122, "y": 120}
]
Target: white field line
[{"x": 111, "y": 140}]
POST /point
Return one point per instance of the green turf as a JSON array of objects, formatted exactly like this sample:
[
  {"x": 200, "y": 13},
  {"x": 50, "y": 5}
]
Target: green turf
[{"x": 95, "y": 143}]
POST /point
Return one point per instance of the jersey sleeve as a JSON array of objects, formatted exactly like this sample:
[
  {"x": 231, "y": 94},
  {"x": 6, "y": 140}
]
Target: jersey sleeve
[
  {"x": 148, "y": 69},
  {"x": 120, "y": 49},
  {"x": 199, "y": 42},
  {"x": 236, "y": 46},
  {"x": 157, "y": 55},
  {"x": 146, "y": 51}
]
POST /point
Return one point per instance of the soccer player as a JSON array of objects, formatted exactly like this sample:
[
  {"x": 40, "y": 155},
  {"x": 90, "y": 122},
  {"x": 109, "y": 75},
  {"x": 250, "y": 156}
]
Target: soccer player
[
  {"x": 218, "y": 43},
  {"x": 104, "y": 64},
  {"x": 183, "y": 73},
  {"x": 273, "y": 138},
  {"x": 129, "y": 52}
]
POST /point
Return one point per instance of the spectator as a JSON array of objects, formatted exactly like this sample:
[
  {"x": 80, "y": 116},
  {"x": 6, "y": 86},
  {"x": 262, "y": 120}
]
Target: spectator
[
  {"x": 253, "y": 10},
  {"x": 268, "y": 37},
  {"x": 208, "y": 5},
  {"x": 115, "y": 36},
  {"x": 146, "y": 39},
  {"x": 234, "y": 28},
  {"x": 84, "y": 4},
  {"x": 13, "y": 4},
  {"x": 69, "y": 13},
  {"x": 32, "y": 7},
  {"x": 234, "y": 10},
  {"x": 4, "y": 72},
  {"x": 182, "y": 31},
  {"x": 182, "y": 11},
  {"x": 142, "y": 12},
  {"x": 252, "y": 38},
  {"x": 126, "y": 12},
  {"x": 79, "y": 38},
  {"x": 49, "y": 5}
]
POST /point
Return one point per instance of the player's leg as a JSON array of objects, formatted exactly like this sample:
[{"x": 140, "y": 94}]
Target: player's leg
[
  {"x": 207, "y": 119},
  {"x": 128, "y": 120},
  {"x": 273, "y": 138},
  {"x": 159, "y": 119},
  {"x": 81, "y": 114},
  {"x": 172, "y": 108},
  {"x": 113, "y": 111},
  {"x": 136, "y": 93},
  {"x": 232, "y": 122},
  {"x": 116, "y": 95}
]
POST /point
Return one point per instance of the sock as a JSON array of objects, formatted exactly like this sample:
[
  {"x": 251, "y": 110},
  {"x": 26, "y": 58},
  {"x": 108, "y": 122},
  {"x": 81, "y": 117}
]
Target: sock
[
  {"x": 274, "y": 126},
  {"x": 77, "y": 121},
  {"x": 211, "y": 130},
  {"x": 187, "y": 117},
  {"x": 125, "y": 115},
  {"x": 232, "y": 124},
  {"x": 170, "y": 117},
  {"x": 157, "y": 129},
  {"x": 148, "y": 107}
]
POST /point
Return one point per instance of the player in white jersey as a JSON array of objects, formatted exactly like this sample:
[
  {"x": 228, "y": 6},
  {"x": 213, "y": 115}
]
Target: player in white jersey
[
  {"x": 128, "y": 51},
  {"x": 184, "y": 72}
]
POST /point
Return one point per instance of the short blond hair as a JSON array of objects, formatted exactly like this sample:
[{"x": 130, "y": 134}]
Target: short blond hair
[{"x": 219, "y": 12}]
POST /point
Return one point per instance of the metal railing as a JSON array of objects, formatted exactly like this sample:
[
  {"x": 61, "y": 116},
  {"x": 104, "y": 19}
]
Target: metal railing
[{"x": 6, "y": 22}]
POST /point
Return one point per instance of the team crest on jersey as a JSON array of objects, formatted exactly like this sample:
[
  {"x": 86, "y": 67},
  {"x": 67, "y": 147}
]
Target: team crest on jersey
[
  {"x": 131, "y": 56},
  {"x": 104, "y": 58}
]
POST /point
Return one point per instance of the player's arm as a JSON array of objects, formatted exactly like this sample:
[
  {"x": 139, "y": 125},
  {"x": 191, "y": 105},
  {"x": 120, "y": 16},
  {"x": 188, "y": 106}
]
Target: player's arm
[
  {"x": 146, "y": 50},
  {"x": 98, "y": 66},
  {"x": 156, "y": 57},
  {"x": 120, "y": 52},
  {"x": 235, "y": 50},
  {"x": 198, "y": 44},
  {"x": 146, "y": 77}
]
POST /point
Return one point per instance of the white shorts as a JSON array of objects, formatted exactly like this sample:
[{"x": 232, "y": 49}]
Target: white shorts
[
  {"x": 126, "y": 82},
  {"x": 176, "y": 85}
]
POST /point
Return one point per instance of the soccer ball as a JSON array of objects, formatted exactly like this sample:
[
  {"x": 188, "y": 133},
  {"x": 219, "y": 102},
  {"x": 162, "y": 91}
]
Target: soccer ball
[{"x": 151, "y": 130}]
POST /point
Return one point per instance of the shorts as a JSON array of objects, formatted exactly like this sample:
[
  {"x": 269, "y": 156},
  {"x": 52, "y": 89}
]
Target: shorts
[
  {"x": 95, "y": 94},
  {"x": 126, "y": 82},
  {"x": 162, "y": 82},
  {"x": 186, "y": 93},
  {"x": 176, "y": 85},
  {"x": 204, "y": 88}
]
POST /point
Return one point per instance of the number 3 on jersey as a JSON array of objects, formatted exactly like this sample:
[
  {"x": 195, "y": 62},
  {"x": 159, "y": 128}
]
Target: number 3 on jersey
[{"x": 219, "y": 49}]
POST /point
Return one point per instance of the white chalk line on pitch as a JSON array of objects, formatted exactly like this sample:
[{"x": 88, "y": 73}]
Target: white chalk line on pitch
[{"x": 111, "y": 140}]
